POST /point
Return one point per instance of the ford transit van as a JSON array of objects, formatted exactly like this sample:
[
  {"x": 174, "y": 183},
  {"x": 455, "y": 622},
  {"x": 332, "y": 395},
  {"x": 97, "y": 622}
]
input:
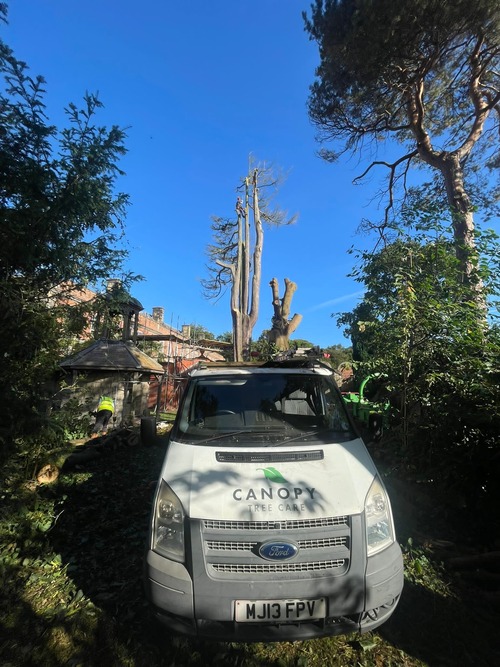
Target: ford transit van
[{"x": 270, "y": 521}]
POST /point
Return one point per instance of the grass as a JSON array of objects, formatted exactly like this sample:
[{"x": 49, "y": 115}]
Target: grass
[{"x": 70, "y": 574}]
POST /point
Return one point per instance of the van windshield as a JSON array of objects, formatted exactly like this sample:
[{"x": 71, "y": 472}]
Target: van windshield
[{"x": 268, "y": 408}]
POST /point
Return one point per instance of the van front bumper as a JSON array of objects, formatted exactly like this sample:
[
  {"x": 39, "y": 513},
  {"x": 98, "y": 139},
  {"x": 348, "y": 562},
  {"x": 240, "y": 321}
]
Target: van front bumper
[{"x": 169, "y": 589}]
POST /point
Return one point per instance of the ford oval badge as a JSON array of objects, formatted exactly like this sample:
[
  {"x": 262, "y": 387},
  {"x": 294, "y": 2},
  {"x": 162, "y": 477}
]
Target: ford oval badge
[{"x": 278, "y": 550}]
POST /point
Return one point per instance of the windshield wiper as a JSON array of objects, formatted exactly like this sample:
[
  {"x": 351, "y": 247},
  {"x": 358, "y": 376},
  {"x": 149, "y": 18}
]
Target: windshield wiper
[
  {"x": 304, "y": 435},
  {"x": 219, "y": 436},
  {"x": 250, "y": 435}
]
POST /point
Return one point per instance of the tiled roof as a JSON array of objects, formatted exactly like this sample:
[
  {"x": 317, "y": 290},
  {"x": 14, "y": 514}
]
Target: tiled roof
[{"x": 112, "y": 355}]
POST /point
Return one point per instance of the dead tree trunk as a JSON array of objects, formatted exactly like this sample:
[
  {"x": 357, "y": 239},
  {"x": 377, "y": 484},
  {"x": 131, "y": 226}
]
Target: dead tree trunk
[
  {"x": 247, "y": 270},
  {"x": 237, "y": 255},
  {"x": 282, "y": 326}
]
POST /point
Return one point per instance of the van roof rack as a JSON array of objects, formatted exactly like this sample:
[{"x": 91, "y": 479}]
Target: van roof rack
[
  {"x": 305, "y": 358},
  {"x": 296, "y": 362},
  {"x": 302, "y": 358}
]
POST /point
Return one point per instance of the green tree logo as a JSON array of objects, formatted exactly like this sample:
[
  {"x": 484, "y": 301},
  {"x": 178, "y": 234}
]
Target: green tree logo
[{"x": 273, "y": 475}]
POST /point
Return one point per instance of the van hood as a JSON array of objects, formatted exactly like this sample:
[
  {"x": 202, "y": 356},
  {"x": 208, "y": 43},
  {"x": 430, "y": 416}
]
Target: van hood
[{"x": 281, "y": 487}]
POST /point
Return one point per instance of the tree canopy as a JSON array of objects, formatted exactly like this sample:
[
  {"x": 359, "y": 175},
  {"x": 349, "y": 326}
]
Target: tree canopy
[
  {"x": 425, "y": 73},
  {"x": 61, "y": 217},
  {"x": 62, "y": 222}
]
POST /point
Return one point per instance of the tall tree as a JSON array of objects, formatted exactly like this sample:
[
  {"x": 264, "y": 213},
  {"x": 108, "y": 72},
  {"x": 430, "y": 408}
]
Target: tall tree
[
  {"x": 236, "y": 254},
  {"x": 61, "y": 222},
  {"x": 428, "y": 74}
]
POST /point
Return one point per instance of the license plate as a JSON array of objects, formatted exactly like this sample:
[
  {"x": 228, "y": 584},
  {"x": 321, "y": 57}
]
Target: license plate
[{"x": 279, "y": 611}]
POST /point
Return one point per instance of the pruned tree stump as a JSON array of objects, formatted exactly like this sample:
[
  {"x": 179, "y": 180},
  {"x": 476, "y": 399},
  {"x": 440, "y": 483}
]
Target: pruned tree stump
[{"x": 47, "y": 474}]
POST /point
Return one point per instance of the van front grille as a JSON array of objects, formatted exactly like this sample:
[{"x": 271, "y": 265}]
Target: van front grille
[
  {"x": 231, "y": 548},
  {"x": 323, "y": 543},
  {"x": 220, "y": 545},
  {"x": 274, "y": 568},
  {"x": 291, "y": 524}
]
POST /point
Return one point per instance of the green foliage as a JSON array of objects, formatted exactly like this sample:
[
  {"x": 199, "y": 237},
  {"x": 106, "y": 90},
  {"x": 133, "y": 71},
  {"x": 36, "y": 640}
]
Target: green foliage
[
  {"x": 61, "y": 225},
  {"x": 417, "y": 326},
  {"x": 262, "y": 349},
  {"x": 226, "y": 337},
  {"x": 422, "y": 570},
  {"x": 47, "y": 441},
  {"x": 339, "y": 355},
  {"x": 57, "y": 188},
  {"x": 198, "y": 332},
  {"x": 300, "y": 342},
  {"x": 70, "y": 420}
]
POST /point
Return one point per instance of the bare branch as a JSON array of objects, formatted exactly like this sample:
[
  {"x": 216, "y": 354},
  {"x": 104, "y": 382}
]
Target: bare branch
[{"x": 393, "y": 177}]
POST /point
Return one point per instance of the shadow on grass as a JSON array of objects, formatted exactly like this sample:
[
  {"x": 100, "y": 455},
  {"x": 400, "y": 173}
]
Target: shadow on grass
[
  {"x": 101, "y": 535},
  {"x": 443, "y": 631}
]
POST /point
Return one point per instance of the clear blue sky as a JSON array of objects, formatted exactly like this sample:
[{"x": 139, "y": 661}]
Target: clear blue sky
[{"x": 201, "y": 85}]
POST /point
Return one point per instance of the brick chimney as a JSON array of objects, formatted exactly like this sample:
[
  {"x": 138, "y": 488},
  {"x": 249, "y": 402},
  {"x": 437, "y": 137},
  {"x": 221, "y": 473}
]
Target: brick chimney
[{"x": 158, "y": 314}]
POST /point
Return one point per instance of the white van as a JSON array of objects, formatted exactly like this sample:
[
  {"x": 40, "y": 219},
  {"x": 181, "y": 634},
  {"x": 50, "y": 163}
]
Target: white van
[{"x": 270, "y": 521}]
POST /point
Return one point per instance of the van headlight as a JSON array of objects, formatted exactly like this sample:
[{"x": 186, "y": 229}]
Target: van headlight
[
  {"x": 378, "y": 518},
  {"x": 168, "y": 526}
]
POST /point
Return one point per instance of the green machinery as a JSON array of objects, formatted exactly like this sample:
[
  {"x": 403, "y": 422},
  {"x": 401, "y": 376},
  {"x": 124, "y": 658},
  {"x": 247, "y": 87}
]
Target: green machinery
[{"x": 374, "y": 414}]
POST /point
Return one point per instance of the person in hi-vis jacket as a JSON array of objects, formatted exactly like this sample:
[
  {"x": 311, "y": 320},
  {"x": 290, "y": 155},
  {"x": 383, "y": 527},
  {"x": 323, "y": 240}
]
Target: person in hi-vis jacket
[{"x": 105, "y": 410}]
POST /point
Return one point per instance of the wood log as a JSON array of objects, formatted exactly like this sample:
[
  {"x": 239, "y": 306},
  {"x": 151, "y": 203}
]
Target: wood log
[{"x": 47, "y": 474}]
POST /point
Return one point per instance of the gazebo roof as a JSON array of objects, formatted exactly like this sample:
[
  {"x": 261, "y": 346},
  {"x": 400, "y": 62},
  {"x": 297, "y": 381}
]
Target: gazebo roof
[{"x": 112, "y": 355}]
